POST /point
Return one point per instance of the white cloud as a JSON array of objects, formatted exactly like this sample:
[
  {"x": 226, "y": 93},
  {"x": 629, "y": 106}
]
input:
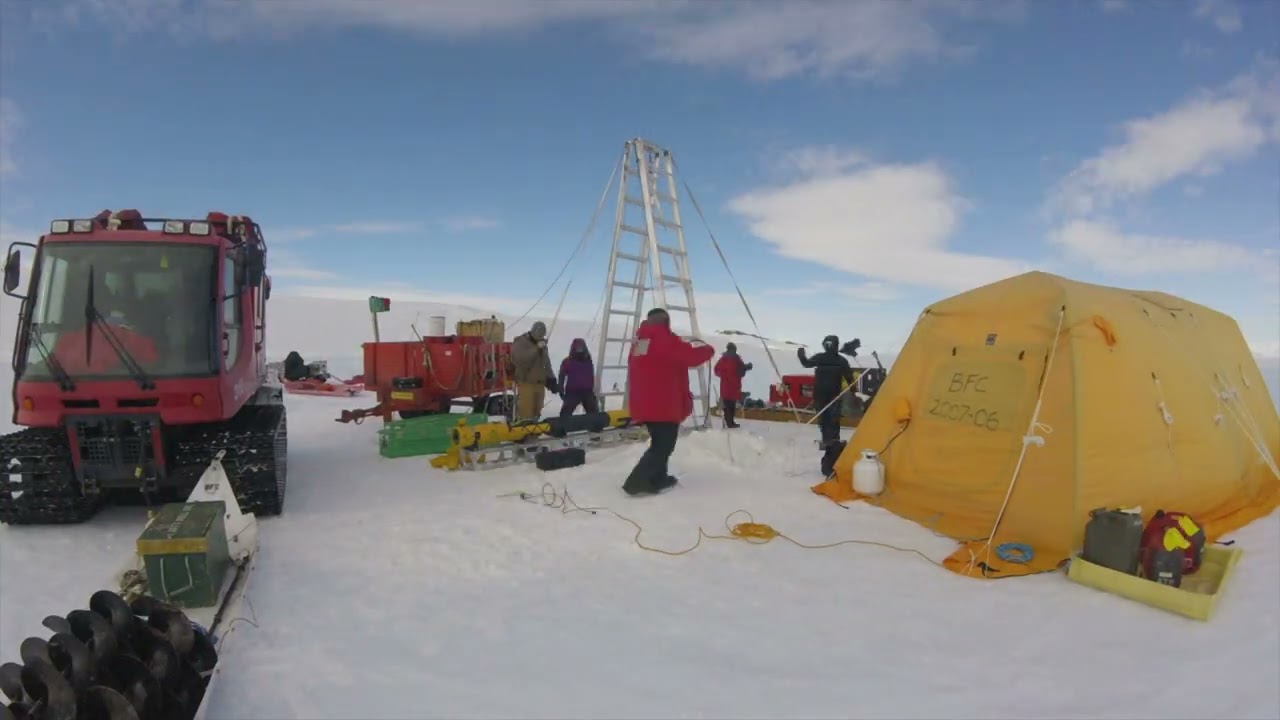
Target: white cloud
[
  {"x": 291, "y": 272},
  {"x": 1113, "y": 252},
  {"x": 1270, "y": 266},
  {"x": 765, "y": 40},
  {"x": 863, "y": 293},
  {"x": 1224, "y": 14},
  {"x": 472, "y": 222},
  {"x": 794, "y": 319},
  {"x": 285, "y": 264},
  {"x": 1195, "y": 50},
  {"x": 368, "y": 227},
  {"x": 1194, "y": 139},
  {"x": 1267, "y": 350},
  {"x": 769, "y": 41},
  {"x": 887, "y": 222},
  {"x": 824, "y": 161},
  {"x": 10, "y": 121},
  {"x": 443, "y": 17},
  {"x": 289, "y": 234},
  {"x": 378, "y": 227}
]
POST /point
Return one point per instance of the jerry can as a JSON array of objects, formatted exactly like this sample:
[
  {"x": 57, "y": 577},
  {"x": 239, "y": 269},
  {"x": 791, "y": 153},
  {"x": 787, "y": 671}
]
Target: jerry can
[{"x": 1113, "y": 539}]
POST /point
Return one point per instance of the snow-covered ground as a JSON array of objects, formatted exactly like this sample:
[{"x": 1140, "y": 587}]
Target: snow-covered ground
[{"x": 389, "y": 589}]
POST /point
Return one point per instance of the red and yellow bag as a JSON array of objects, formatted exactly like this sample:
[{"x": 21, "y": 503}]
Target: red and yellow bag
[{"x": 1170, "y": 533}]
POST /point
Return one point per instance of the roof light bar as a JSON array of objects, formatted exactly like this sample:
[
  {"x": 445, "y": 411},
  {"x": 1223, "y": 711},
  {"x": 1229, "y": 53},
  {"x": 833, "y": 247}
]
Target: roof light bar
[
  {"x": 175, "y": 227},
  {"x": 60, "y": 226}
]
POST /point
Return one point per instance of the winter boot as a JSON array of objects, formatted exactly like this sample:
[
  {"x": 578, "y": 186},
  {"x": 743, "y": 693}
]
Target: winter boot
[{"x": 831, "y": 453}]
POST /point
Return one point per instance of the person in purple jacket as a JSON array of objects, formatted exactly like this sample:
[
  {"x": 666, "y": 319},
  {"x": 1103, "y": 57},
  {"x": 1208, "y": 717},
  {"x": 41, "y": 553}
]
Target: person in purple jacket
[{"x": 578, "y": 380}]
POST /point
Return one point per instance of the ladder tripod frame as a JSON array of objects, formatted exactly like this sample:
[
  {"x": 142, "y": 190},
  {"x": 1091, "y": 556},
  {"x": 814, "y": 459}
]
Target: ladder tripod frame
[{"x": 646, "y": 162}]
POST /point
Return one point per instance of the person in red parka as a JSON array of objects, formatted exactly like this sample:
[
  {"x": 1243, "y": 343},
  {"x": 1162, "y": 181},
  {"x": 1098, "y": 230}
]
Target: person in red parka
[
  {"x": 731, "y": 369},
  {"x": 658, "y": 386}
]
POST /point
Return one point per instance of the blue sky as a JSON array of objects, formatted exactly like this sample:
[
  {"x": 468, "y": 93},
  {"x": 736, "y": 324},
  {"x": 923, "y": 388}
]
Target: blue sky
[{"x": 856, "y": 160}]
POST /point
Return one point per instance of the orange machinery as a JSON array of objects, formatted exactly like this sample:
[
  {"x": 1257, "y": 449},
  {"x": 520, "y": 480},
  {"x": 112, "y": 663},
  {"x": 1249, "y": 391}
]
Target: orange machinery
[{"x": 431, "y": 375}]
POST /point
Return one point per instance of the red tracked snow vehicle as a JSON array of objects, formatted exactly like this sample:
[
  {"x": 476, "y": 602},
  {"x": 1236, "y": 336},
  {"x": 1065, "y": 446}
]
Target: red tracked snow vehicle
[{"x": 140, "y": 353}]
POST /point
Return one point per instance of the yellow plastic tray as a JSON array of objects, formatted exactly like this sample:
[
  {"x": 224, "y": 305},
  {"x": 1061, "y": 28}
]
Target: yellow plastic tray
[{"x": 1196, "y": 598}]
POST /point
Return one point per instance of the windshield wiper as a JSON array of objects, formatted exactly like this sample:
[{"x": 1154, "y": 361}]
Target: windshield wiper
[
  {"x": 92, "y": 317},
  {"x": 59, "y": 373}
]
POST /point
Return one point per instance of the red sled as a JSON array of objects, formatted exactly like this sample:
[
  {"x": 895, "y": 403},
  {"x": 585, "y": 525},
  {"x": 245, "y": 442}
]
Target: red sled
[{"x": 320, "y": 387}]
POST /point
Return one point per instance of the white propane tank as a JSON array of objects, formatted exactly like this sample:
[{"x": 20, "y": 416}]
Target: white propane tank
[
  {"x": 435, "y": 326},
  {"x": 868, "y": 474}
]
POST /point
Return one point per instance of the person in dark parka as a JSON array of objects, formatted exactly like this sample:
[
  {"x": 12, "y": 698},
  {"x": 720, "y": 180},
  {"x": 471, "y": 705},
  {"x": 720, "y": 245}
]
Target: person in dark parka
[
  {"x": 578, "y": 380},
  {"x": 730, "y": 369},
  {"x": 831, "y": 372},
  {"x": 295, "y": 368}
]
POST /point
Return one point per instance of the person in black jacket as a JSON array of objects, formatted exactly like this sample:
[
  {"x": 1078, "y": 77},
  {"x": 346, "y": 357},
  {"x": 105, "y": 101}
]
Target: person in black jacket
[{"x": 831, "y": 370}]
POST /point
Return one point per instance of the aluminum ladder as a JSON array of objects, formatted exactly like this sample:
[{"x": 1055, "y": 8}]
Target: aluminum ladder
[{"x": 646, "y": 228}]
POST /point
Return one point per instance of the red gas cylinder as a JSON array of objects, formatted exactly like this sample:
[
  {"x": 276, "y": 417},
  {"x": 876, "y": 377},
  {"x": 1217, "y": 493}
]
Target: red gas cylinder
[
  {"x": 1172, "y": 546},
  {"x": 1194, "y": 555}
]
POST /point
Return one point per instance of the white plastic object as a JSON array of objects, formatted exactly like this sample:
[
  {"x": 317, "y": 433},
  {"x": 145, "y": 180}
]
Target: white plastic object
[
  {"x": 175, "y": 226},
  {"x": 198, "y": 228},
  {"x": 81, "y": 226},
  {"x": 868, "y": 474},
  {"x": 60, "y": 226},
  {"x": 242, "y": 528},
  {"x": 435, "y": 326}
]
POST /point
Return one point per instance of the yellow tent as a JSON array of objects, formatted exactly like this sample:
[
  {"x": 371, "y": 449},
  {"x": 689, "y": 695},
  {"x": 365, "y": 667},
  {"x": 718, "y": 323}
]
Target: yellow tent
[{"x": 1016, "y": 408}]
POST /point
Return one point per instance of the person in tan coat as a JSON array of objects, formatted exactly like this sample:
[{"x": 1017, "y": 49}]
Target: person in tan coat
[{"x": 532, "y": 371}]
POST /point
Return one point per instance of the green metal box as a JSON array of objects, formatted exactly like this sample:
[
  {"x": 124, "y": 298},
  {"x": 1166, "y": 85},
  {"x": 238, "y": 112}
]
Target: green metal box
[
  {"x": 184, "y": 553},
  {"x": 427, "y": 435}
]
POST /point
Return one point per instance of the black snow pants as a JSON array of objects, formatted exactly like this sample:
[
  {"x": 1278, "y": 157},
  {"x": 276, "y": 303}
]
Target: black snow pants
[
  {"x": 828, "y": 420},
  {"x": 574, "y": 398},
  {"x": 650, "y": 474},
  {"x": 730, "y": 411}
]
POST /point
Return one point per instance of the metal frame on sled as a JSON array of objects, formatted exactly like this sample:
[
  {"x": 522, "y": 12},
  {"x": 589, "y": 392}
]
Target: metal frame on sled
[
  {"x": 514, "y": 453},
  {"x": 242, "y": 549},
  {"x": 645, "y": 162}
]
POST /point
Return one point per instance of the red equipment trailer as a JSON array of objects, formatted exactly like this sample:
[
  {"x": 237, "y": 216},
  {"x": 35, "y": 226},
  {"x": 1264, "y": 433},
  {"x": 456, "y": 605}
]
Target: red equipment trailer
[
  {"x": 794, "y": 390},
  {"x": 140, "y": 353},
  {"x": 429, "y": 376}
]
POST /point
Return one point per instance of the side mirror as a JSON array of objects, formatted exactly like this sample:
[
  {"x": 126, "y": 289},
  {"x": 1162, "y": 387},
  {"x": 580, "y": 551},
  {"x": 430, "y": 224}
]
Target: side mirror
[
  {"x": 12, "y": 271},
  {"x": 266, "y": 288}
]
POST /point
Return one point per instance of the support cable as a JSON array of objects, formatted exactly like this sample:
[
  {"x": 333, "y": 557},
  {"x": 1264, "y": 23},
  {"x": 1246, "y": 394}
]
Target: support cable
[
  {"x": 716, "y": 244},
  {"x": 586, "y": 236}
]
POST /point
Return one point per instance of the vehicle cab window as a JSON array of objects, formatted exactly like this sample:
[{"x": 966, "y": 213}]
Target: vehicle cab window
[{"x": 232, "y": 319}]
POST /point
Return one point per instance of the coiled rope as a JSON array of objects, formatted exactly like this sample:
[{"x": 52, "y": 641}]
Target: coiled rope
[{"x": 749, "y": 531}]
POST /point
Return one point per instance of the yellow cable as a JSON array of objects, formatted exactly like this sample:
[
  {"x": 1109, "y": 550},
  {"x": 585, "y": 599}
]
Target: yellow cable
[{"x": 750, "y": 531}]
